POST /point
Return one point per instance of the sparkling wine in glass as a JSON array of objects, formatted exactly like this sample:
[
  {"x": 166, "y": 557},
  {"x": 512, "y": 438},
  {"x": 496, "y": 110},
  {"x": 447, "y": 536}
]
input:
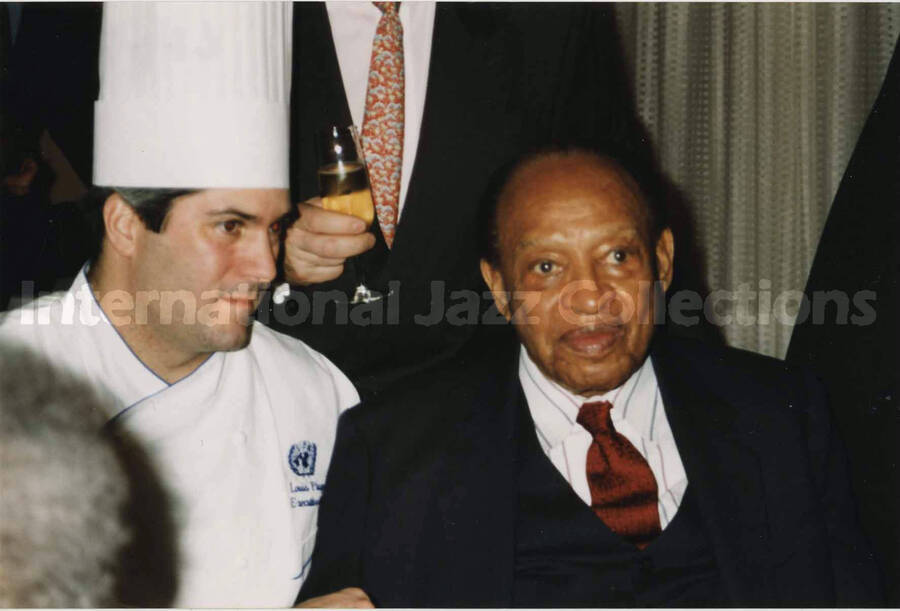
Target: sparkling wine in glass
[{"x": 344, "y": 186}]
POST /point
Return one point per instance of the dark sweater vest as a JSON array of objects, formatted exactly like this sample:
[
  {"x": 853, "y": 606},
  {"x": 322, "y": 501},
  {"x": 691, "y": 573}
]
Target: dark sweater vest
[{"x": 567, "y": 557}]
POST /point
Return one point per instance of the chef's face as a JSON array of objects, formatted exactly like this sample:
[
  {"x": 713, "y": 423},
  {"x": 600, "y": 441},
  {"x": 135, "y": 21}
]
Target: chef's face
[
  {"x": 215, "y": 253},
  {"x": 577, "y": 255}
]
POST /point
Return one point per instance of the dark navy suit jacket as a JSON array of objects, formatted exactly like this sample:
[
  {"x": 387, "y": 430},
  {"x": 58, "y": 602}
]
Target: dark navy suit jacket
[{"x": 421, "y": 500}]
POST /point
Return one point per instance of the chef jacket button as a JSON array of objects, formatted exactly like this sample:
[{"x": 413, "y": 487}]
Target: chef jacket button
[
  {"x": 242, "y": 563},
  {"x": 239, "y": 437}
]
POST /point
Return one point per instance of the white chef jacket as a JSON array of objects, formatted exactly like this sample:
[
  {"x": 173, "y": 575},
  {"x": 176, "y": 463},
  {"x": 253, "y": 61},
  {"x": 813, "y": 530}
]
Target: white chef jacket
[{"x": 242, "y": 444}]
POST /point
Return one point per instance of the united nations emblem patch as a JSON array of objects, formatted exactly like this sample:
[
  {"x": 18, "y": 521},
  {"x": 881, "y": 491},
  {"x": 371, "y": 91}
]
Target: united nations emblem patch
[{"x": 302, "y": 458}]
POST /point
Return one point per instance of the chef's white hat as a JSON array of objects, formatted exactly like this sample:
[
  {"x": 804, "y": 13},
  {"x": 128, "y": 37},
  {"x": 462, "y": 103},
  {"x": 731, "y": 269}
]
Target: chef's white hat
[{"x": 193, "y": 95}]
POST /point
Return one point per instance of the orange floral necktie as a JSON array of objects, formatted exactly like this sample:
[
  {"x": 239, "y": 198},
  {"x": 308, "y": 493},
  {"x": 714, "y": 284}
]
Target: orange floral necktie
[{"x": 382, "y": 132}]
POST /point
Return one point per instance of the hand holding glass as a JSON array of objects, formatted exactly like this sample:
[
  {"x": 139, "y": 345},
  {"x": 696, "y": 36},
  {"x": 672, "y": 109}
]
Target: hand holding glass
[{"x": 344, "y": 185}]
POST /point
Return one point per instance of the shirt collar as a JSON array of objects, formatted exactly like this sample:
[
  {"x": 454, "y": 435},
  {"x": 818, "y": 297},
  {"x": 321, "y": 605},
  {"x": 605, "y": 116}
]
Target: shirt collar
[
  {"x": 83, "y": 294},
  {"x": 555, "y": 409}
]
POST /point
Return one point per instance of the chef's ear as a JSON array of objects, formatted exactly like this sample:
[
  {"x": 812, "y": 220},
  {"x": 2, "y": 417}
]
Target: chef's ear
[{"x": 122, "y": 225}]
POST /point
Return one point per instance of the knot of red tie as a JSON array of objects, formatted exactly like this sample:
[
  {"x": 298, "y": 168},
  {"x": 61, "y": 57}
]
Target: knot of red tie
[{"x": 595, "y": 417}]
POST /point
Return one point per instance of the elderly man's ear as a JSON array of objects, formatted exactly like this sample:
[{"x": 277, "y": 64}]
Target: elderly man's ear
[
  {"x": 494, "y": 280},
  {"x": 665, "y": 256},
  {"x": 122, "y": 225}
]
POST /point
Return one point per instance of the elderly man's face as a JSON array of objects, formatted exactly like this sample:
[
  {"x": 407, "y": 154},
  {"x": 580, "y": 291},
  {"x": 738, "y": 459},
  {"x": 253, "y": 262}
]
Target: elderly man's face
[{"x": 576, "y": 270}]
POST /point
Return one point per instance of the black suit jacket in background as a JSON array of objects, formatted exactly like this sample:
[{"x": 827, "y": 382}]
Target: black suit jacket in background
[
  {"x": 860, "y": 364},
  {"x": 502, "y": 78},
  {"x": 54, "y": 79},
  {"x": 50, "y": 83},
  {"x": 420, "y": 506}
]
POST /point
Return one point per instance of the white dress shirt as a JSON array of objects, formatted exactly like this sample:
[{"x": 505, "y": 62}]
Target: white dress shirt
[
  {"x": 637, "y": 413},
  {"x": 353, "y": 26}
]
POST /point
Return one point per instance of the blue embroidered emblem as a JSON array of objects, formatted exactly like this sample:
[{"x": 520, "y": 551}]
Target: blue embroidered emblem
[{"x": 302, "y": 458}]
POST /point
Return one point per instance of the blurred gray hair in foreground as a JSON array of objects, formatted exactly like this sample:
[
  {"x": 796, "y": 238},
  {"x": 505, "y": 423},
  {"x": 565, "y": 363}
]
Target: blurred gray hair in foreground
[{"x": 83, "y": 520}]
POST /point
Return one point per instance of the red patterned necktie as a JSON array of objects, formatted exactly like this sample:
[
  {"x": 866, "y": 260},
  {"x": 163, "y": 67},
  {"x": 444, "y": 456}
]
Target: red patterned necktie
[
  {"x": 623, "y": 488},
  {"x": 382, "y": 133}
]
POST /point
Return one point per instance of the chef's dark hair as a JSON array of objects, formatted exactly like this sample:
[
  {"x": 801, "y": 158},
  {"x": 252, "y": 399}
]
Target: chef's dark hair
[{"x": 151, "y": 205}]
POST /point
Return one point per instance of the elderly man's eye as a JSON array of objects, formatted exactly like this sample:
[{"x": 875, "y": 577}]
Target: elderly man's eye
[{"x": 544, "y": 267}]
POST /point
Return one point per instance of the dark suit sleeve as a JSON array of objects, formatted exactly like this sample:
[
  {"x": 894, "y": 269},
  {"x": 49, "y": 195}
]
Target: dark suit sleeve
[
  {"x": 856, "y": 577},
  {"x": 342, "y": 515}
]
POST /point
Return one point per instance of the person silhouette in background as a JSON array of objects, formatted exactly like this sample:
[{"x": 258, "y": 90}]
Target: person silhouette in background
[{"x": 859, "y": 254}]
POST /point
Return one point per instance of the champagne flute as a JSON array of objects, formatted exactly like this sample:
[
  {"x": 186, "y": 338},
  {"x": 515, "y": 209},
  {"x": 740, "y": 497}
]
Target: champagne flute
[{"x": 344, "y": 186}]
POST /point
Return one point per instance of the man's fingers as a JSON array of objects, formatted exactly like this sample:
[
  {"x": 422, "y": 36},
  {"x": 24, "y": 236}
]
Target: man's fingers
[
  {"x": 297, "y": 255},
  {"x": 303, "y": 274},
  {"x": 319, "y": 241},
  {"x": 329, "y": 246},
  {"x": 348, "y": 598},
  {"x": 315, "y": 219}
]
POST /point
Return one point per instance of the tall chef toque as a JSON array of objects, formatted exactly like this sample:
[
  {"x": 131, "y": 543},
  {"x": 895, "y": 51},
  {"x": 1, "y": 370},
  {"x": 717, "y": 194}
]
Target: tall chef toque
[{"x": 193, "y": 95}]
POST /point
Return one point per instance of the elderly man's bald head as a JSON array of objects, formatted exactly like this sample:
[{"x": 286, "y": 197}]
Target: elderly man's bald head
[{"x": 542, "y": 168}]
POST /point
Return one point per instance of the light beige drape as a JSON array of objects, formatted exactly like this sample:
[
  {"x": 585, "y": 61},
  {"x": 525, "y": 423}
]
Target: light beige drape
[{"x": 754, "y": 110}]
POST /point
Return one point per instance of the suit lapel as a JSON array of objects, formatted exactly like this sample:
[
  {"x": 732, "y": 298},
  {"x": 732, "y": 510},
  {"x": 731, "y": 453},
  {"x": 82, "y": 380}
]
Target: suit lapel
[
  {"x": 478, "y": 509},
  {"x": 467, "y": 97},
  {"x": 723, "y": 470}
]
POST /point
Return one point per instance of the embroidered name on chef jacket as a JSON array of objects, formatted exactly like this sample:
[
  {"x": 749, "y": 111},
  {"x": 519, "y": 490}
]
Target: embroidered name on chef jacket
[{"x": 307, "y": 485}]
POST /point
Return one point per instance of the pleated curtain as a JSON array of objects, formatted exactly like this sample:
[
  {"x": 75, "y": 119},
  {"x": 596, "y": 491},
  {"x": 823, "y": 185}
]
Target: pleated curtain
[{"x": 754, "y": 110}]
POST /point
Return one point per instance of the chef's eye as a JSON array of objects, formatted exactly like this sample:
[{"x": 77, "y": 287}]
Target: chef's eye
[
  {"x": 620, "y": 255},
  {"x": 230, "y": 226}
]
